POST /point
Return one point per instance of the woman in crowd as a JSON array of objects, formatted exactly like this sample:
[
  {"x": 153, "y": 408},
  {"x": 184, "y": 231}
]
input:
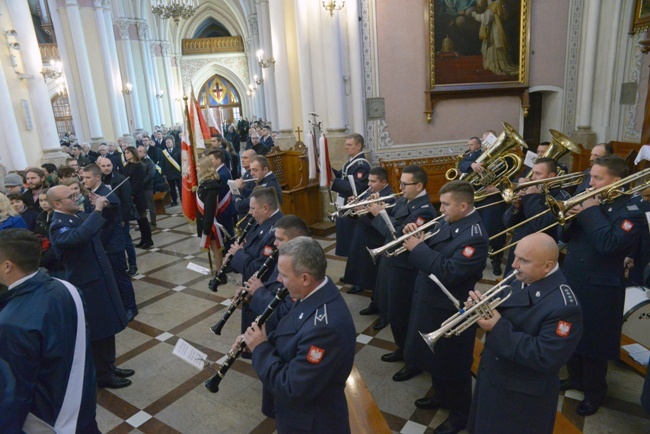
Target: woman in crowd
[
  {"x": 42, "y": 231},
  {"x": 19, "y": 203},
  {"x": 83, "y": 204},
  {"x": 208, "y": 194},
  {"x": 135, "y": 171},
  {"x": 9, "y": 218}
]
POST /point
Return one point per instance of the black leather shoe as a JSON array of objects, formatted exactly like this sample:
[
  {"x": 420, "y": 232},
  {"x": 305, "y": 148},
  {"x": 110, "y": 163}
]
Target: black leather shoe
[
  {"x": 372, "y": 309},
  {"x": 496, "y": 268},
  {"x": 123, "y": 373},
  {"x": 569, "y": 384},
  {"x": 146, "y": 245},
  {"x": 405, "y": 374},
  {"x": 587, "y": 407},
  {"x": 132, "y": 271},
  {"x": 114, "y": 383},
  {"x": 395, "y": 356},
  {"x": 354, "y": 290},
  {"x": 429, "y": 403},
  {"x": 450, "y": 426},
  {"x": 139, "y": 245},
  {"x": 380, "y": 324}
]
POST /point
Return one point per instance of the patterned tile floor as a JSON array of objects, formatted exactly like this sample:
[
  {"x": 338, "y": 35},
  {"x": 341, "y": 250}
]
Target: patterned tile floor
[{"x": 168, "y": 396}]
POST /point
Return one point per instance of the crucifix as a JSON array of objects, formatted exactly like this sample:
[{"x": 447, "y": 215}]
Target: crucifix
[
  {"x": 299, "y": 131},
  {"x": 217, "y": 90}
]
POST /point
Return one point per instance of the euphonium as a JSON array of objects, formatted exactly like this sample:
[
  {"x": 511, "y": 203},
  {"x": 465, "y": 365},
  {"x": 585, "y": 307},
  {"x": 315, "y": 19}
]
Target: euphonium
[
  {"x": 559, "y": 147},
  {"x": 497, "y": 161},
  {"x": 465, "y": 318}
]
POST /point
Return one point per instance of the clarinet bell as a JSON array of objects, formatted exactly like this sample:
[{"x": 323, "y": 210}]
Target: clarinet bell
[
  {"x": 213, "y": 284},
  {"x": 212, "y": 384},
  {"x": 216, "y": 329}
]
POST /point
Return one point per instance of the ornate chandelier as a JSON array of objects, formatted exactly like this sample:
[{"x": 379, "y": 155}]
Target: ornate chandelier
[{"x": 175, "y": 9}]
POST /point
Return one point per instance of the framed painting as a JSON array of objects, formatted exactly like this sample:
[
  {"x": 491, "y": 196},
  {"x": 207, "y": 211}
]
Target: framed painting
[
  {"x": 641, "y": 20},
  {"x": 478, "y": 47}
]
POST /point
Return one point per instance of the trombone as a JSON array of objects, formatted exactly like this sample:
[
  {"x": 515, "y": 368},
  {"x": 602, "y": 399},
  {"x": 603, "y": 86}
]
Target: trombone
[
  {"x": 559, "y": 208},
  {"x": 465, "y": 318},
  {"x": 386, "y": 248},
  {"x": 507, "y": 189}
]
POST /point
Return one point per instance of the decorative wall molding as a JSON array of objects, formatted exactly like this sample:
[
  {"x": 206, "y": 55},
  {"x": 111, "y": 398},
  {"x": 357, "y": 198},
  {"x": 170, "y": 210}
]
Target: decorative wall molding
[
  {"x": 572, "y": 64},
  {"x": 422, "y": 150},
  {"x": 252, "y": 24},
  {"x": 631, "y": 131},
  {"x": 123, "y": 26},
  {"x": 143, "y": 30},
  {"x": 238, "y": 64}
]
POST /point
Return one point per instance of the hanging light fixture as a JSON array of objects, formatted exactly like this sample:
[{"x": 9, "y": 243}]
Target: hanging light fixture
[
  {"x": 175, "y": 9},
  {"x": 331, "y": 6}
]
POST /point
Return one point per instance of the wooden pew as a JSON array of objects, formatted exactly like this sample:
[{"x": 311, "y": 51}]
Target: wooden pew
[
  {"x": 365, "y": 416},
  {"x": 562, "y": 424},
  {"x": 160, "y": 199}
]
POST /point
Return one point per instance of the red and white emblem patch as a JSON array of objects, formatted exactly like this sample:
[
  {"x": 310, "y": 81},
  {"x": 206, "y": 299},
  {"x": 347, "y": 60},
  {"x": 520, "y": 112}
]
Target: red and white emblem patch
[
  {"x": 315, "y": 355},
  {"x": 268, "y": 250},
  {"x": 419, "y": 221},
  {"x": 468, "y": 251},
  {"x": 563, "y": 329},
  {"x": 360, "y": 175},
  {"x": 627, "y": 225}
]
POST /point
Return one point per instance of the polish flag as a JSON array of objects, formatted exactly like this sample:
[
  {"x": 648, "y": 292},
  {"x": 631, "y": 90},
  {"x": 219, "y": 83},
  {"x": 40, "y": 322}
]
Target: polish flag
[{"x": 188, "y": 168}]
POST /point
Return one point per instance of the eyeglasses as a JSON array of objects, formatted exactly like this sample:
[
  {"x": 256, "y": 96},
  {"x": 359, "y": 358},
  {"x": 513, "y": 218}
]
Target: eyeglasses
[{"x": 404, "y": 184}]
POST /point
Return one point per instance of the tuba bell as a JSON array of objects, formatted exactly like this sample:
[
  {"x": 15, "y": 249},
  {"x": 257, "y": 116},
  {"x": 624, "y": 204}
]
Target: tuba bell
[
  {"x": 497, "y": 161},
  {"x": 559, "y": 147}
]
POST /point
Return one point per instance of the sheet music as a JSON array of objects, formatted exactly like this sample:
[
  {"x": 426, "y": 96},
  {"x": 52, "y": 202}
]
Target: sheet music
[
  {"x": 233, "y": 187},
  {"x": 195, "y": 267},
  {"x": 530, "y": 159},
  {"x": 638, "y": 352},
  {"x": 190, "y": 354}
]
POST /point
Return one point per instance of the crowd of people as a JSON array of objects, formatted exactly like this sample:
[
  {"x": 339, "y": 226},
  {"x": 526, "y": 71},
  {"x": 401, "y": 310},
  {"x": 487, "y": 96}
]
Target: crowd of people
[{"x": 74, "y": 222}]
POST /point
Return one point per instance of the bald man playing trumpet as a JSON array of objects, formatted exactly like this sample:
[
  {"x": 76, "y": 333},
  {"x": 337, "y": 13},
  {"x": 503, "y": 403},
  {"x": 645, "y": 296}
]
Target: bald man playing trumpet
[{"x": 530, "y": 337}]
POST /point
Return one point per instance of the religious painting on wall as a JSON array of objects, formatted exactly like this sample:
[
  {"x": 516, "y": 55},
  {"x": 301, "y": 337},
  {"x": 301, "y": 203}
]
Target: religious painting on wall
[
  {"x": 641, "y": 20},
  {"x": 478, "y": 44}
]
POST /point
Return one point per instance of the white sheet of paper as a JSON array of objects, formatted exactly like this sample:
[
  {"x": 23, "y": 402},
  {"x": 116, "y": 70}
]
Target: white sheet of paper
[
  {"x": 233, "y": 187},
  {"x": 489, "y": 140},
  {"x": 353, "y": 185},
  {"x": 195, "y": 267},
  {"x": 530, "y": 158},
  {"x": 190, "y": 354}
]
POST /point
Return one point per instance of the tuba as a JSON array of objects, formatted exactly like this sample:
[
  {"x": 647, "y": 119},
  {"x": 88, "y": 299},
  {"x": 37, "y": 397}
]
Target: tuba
[
  {"x": 560, "y": 146},
  {"x": 497, "y": 161}
]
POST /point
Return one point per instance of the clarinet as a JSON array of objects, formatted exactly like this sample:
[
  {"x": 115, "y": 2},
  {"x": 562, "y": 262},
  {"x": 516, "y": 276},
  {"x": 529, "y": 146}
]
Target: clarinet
[
  {"x": 261, "y": 274},
  {"x": 220, "y": 278},
  {"x": 212, "y": 384}
]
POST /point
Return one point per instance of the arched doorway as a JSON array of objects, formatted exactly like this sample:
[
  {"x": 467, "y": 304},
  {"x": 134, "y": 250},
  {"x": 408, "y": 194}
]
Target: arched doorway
[
  {"x": 220, "y": 97},
  {"x": 62, "y": 115}
]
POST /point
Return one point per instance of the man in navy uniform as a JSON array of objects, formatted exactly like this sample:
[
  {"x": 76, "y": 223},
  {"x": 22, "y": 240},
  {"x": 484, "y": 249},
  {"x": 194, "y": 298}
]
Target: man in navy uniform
[
  {"x": 599, "y": 239},
  {"x": 245, "y": 188},
  {"x": 170, "y": 165},
  {"x": 530, "y": 202},
  {"x": 249, "y": 256},
  {"x": 46, "y": 368},
  {"x": 530, "y": 337},
  {"x": 260, "y": 170},
  {"x": 75, "y": 238},
  {"x": 305, "y": 362},
  {"x": 600, "y": 150},
  {"x": 358, "y": 167},
  {"x": 456, "y": 256},
  {"x": 396, "y": 277}
]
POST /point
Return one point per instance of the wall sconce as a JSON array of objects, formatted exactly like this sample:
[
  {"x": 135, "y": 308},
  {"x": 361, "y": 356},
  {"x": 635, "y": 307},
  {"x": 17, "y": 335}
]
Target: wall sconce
[
  {"x": 258, "y": 80},
  {"x": 127, "y": 89},
  {"x": 53, "y": 71},
  {"x": 251, "y": 89},
  {"x": 331, "y": 6},
  {"x": 264, "y": 63},
  {"x": 160, "y": 94}
]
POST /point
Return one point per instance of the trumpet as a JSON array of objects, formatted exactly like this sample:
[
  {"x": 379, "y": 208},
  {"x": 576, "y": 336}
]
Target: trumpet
[
  {"x": 508, "y": 189},
  {"x": 465, "y": 318},
  {"x": 212, "y": 384},
  {"x": 386, "y": 248},
  {"x": 349, "y": 209},
  {"x": 357, "y": 199},
  {"x": 559, "y": 208}
]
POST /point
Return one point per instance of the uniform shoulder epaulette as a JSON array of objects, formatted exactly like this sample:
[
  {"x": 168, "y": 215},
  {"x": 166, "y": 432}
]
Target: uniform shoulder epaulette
[
  {"x": 425, "y": 206},
  {"x": 568, "y": 295},
  {"x": 476, "y": 229}
]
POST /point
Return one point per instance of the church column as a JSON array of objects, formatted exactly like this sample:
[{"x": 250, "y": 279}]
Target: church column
[
  {"x": 30, "y": 55},
  {"x": 304, "y": 62},
  {"x": 132, "y": 99},
  {"x": 355, "y": 51},
  {"x": 82, "y": 63},
  {"x": 145, "y": 57},
  {"x": 112, "y": 90},
  {"x": 587, "y": 72},
  {"x": 266, "y": 44},
  {"x": 254, "y": 67},
  {"x": 156, "y": 80},
  {"x": 115, "y": 65},
  {"x": 12, "y": 153},
  {"x": 164, "y": 46},
  {"x": 282, "y": 86}
]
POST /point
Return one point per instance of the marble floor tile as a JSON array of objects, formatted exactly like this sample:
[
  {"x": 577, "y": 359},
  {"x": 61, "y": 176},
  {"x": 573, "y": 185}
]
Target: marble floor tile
[
  {"x": 128, "y": 340},
  {"x": 173, "y": 310}
]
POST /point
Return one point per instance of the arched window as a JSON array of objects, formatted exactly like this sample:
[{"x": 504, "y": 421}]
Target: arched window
[
  {"x": 222, "y": 99},
  {"x": 62, "y": 115},
  {"x": 211, "y": 28}
]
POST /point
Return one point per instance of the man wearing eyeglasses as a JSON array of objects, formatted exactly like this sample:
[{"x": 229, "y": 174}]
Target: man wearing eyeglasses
[{"x": 75, "y": 239}]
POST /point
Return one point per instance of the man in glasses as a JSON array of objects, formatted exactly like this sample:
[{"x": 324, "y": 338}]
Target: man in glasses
[{"x": 75, "y": 239}]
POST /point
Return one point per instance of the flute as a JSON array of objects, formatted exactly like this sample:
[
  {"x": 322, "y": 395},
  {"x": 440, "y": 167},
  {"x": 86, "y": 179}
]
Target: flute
[
  {"x": 212, "y": 384},
  {"x": 220, "y": 278},
  {"x": 261, "y": 274}
]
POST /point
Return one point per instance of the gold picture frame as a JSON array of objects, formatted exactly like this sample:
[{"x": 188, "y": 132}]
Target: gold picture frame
[{"x": 641, "y": 19}]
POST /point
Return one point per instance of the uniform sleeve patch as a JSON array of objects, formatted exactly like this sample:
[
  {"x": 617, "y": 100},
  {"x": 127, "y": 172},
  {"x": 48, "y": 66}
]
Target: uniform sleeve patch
[
  {"x": 419, "y": 221},
  {"x": 64, "y": 229},
  {"x": 627, "y": 225},
  {"x": 360, "y": 175},
  {"x": 468, "y": 251},
  {"x": 268, "y": 250},
  {"x": 563, "y": 329},
  {"x": 315, "y": 355}
]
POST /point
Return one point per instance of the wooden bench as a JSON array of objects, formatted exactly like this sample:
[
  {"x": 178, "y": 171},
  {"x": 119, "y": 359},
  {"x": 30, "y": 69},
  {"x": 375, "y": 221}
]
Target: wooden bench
[
  {"x": 365, "y": 416},
  {"x": 161, "y": 199},
  {"x": 562, "y": 424}
]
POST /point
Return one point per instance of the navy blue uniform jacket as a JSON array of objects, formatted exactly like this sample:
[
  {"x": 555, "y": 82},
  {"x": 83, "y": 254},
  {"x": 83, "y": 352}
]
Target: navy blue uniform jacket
[
  {"x": 599, "y": 239},
  {"x": 242, "y": 203},
  {"x": 305, "y": 363},
  {"x": 77, "y": 245},
  {"x": 39, "y": 322},
  {"x": 518, "y": 381}
]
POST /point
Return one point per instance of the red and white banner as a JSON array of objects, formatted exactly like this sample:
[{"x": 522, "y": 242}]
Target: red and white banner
[
  {"x": 213, "y": 125},
  {"x": 311, "y": 155},
  {"x": 188, "y": 171},
  {"x": 324, "y": 162},
  {"x": 200, "y": 130}
]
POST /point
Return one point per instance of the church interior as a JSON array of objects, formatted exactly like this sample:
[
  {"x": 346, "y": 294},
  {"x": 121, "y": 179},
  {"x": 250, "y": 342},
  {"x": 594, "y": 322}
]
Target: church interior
[{"x": 403, "y": 74}]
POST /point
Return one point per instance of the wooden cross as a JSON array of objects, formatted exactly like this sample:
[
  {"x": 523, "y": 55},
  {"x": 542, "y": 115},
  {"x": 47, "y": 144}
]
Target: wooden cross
[{"x": 299, "y": 131}]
